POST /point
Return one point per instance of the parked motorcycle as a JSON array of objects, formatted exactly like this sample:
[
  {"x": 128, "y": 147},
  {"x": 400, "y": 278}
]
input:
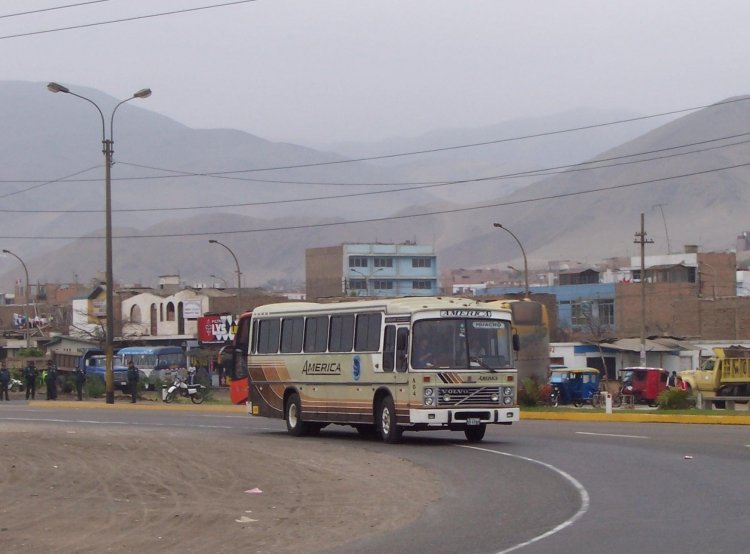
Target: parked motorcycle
[
  {"x": 180, "y": 387},
  {"x": 15, "y": 385}
]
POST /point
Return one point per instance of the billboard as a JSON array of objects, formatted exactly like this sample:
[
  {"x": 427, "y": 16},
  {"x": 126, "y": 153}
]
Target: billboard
[{"x": 216, "y": 329}]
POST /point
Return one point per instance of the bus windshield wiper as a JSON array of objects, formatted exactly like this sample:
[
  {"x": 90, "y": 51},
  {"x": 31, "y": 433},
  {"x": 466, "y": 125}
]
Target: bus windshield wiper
[{"x": 481, "y": 363}]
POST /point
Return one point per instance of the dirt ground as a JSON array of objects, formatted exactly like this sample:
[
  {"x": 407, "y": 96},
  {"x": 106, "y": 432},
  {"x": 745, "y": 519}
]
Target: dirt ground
[{"x": 90, "y": 488}]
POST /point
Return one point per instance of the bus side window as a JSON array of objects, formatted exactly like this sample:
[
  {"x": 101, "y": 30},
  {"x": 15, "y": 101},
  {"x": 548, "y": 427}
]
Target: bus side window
[
  {"x": 268, "y": 336},
  {"x": 316, "y": 334},
  {"x": 402, "y": 347},
  {"x": 389, "y": 348}
]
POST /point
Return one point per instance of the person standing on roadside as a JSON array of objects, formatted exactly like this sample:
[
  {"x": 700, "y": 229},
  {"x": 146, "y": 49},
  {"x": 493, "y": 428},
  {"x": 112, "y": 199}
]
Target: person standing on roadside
[
  {"x": 132, "y": 381},
  {"x": 4, "y": 381},
  {"x": 80, "y": 378},
  {"x": 672, "y": 380},
  {"x": 29, "y": 375},
  {"x": 50, "y": 379}
]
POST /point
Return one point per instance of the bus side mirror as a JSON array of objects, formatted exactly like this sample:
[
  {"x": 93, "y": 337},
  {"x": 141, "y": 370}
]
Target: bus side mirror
[{"x": 516, "y": 342}]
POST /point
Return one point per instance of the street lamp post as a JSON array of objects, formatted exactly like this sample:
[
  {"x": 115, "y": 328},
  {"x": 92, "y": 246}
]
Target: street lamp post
[
  {"x": 366, "y": 278},
  {"x": 713, "y": 278},
  {"x": 239, "y": 275},
  {"x": 525, "y": 263},
  {"x": 27, "y": 295},
  {"x": 108, "y": 151}
]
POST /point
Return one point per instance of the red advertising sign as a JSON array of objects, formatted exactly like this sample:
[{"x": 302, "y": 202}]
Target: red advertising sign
[{"x": 216, "y": 328}]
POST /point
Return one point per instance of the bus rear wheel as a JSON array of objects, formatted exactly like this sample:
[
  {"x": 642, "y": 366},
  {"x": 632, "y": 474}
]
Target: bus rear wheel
[
  {"x": 475, "y": 433},
  {"x": 390, "y": 432},
  {"x": 294, "y": 424}
]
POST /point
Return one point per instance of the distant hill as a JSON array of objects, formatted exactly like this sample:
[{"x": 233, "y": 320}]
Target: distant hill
[
  {"x": 47, "y": 137},
  {"x": 560, "y": 218}
]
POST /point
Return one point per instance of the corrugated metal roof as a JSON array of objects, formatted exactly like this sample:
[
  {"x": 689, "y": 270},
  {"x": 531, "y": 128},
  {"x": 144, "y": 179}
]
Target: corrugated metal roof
[{"x": 634, "y": 345}]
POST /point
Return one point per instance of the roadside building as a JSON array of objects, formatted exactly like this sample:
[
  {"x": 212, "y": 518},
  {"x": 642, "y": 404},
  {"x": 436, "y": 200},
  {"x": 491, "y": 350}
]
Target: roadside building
[{"x": 371, "y": 269}]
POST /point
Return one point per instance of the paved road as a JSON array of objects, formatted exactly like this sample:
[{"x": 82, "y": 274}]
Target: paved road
[{"x": 537, "y": 486}]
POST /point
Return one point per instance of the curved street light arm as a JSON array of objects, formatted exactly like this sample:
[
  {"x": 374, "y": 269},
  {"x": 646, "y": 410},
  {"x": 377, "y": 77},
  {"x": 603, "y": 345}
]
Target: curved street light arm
[
  {"x": 28, "y": 293},
  {"x": 239, "y": 274},
  {"x": 525, "y": 263}
]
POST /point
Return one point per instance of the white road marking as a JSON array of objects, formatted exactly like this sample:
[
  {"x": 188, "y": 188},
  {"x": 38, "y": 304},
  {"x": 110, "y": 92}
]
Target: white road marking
[
  {"x": 582, "y": 493},
  {"x": 612, "y": 435},
  {"x": 92, "y": 422}
]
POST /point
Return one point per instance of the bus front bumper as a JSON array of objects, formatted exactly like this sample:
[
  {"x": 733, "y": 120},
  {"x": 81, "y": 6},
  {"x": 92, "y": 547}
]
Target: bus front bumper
[{"x": 464, "y": 416}]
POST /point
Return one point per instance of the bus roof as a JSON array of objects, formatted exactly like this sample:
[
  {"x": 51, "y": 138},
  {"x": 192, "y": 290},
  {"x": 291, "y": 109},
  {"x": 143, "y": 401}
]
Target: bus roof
[{"x": 388, "y": 305}]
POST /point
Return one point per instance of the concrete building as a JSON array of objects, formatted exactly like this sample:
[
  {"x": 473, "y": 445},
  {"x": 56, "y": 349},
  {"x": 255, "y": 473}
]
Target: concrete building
[
  {"x": 372, "y": 269},
  {"x": 691, "y": 294}
]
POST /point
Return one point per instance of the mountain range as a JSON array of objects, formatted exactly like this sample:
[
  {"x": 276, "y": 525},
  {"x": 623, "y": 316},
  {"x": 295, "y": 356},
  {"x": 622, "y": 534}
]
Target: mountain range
[{"x": 574, "y": 195}]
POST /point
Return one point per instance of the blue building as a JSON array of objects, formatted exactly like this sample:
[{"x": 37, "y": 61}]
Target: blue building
[{"x": 371, "y": 269}]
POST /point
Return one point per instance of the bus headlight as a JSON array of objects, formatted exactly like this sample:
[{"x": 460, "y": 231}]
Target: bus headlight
[
  {"x": 508, "y": 400},
  {"x": 428, "y": 392},
  {"x": 429, "y": 401},
  {"x": 495, "y": 397},
  {"x": 508, "y": 391}
]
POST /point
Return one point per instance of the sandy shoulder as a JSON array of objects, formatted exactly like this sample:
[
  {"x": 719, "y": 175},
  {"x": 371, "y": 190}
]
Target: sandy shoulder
[{"x": 95, "y": 489}]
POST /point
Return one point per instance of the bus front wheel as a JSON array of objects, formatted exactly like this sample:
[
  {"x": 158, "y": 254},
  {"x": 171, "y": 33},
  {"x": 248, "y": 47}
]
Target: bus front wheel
[
  {"x": 390, "y": 432},
  {"x": 475, "y": 433},
  {"x": 294, "y": 424}
]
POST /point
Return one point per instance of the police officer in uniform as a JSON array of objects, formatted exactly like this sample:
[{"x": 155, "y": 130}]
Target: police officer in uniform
[
  {"x": 51, "y": 379},
  {"x": 29, "y": 375},
  {"x": 80, "y": 378},
  {"x": 132, "y": 381},
  {"x": 4, "y": 381}
]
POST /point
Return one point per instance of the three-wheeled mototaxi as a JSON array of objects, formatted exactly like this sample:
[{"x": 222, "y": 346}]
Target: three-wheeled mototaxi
[
  {"x": 643, "y": 383},
  {"x": 575, "y": 386}
]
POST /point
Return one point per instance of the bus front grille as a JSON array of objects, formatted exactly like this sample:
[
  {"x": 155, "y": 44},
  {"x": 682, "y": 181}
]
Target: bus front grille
[{"x": 456, "y": 396}]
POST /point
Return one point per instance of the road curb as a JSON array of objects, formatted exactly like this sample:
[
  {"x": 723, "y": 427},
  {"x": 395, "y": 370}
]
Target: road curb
[{"x": 638, "y": 418}]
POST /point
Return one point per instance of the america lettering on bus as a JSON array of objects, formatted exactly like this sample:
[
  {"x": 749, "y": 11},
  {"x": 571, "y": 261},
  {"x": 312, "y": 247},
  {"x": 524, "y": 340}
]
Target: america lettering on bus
[{"x": 321, "y": 368}]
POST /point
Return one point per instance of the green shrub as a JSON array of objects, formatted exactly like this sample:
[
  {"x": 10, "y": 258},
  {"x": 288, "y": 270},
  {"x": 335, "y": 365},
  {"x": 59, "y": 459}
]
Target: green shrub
[
  {"x": 31, "y": 352},
  {"x": 68, "y": 384},
  {"x": 529, "y": 393},
  {"x": 675, "y": 399},
  {"x": 94, "y": 387}
]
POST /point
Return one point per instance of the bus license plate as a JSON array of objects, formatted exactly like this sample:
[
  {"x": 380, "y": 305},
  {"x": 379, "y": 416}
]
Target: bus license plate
[{"x": 473, "y": 421}]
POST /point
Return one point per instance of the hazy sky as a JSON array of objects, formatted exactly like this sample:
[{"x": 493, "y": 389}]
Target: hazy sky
[{"x": 318, "y": 71}]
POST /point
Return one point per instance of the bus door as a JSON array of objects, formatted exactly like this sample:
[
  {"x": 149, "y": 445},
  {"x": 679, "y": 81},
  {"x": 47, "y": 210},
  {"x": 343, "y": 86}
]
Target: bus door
[
  {"x": 396, "y": 360},
  {"x": 238, "y": 386}
]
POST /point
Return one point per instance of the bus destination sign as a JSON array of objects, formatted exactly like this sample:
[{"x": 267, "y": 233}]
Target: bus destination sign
[{"x": 465, "y": 313}]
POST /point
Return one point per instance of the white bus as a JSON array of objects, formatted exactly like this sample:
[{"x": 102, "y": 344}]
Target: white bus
[{"x": 384, "y": 366}]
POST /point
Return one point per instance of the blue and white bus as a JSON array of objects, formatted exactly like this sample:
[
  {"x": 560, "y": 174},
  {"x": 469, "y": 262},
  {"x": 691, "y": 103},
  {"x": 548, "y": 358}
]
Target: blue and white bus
[{"x": 155, "y": 362}]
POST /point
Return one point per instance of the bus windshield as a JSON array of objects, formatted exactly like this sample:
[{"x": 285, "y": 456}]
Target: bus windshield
[{"x": 461, "y": 344}]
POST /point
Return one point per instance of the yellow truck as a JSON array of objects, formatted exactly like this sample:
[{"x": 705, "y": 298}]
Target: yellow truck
[{"x": 726, "y": 373}]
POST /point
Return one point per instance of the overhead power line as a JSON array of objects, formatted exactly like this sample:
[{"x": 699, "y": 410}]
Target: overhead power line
[
  {"x": 396, "y": 217},
  {"x": 125, "y": 19},
  {"x": 225, "y": 174},
  {"x": 53, "y": 8},
  {"x": 231, "y": 174},
  {"x": 483, "y": 143},
  {"x": 557, "y": 170}
]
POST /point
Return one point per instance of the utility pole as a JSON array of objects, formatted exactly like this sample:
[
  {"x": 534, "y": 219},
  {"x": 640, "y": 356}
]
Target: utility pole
[{"x": 640, "y": 238}]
